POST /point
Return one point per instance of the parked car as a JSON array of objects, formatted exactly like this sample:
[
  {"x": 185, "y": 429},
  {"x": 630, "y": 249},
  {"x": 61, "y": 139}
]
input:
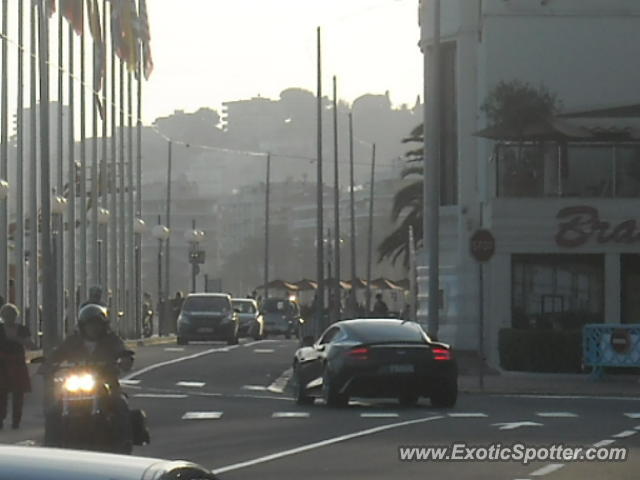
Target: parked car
[
  {"x": 208, "y": 316},
  {"x": 35, "y": 463},
  {"x": 281, "y": 317},
  {"x": 381, "y": 358},
  {"x": 251, "y": 322}
]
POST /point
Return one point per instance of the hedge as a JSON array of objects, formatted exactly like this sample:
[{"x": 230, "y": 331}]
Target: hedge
[{"x": 549, "y": 351}]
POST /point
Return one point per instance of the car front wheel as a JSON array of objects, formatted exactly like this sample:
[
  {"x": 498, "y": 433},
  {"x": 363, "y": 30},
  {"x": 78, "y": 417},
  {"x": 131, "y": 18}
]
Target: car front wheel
[
  {"x": 332, "y": 397},
  {"x": 302, "y": 398}
]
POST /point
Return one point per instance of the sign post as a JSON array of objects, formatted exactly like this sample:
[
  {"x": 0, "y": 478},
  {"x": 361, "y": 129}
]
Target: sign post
[{"x": 482, "y": 247}]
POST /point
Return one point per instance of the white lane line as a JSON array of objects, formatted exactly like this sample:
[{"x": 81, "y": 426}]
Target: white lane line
[
  {"x": 625, "y": 434},
  {"x": 280, "y": 383},
  {"x": 323, "y": 443},
  {"x": 379, "y": 415},
  {"x": 27, "y": 443},
  {"x": 637, "y": 427},
  {"x": 202, "y": 416},
  {"x": 191, "y": 384},
  {"x": 556, "y": 414},
  {"x": 290, "y": 415},
  {"x": 468, "y": 415},
  {"x": 176, "y": 360},
  {"x": 562, "y": 397},
  {"x": 263, "y": 350},
  {"x": 604, "y": 443},
  {"x": 552, "y": 467},
  {"x": 257, "y": 342},
  {"x": 160, "y": 395},
  {"x": 255, "y": 388},
  {"x": 174, "y": 349},
  {"x": 129, "y": 382},
  {"x": 632, "y": 415}
]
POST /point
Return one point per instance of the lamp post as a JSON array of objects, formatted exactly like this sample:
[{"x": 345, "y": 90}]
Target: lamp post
[
  {"x": 4, "y": 271},
  {"x": 193, "y": 238},
  {"x": 103, "y": 219},
  {"x": 139, "y": 228},
  {"x": 160, "y": 233},
  {"x": 58, "y": 207}
]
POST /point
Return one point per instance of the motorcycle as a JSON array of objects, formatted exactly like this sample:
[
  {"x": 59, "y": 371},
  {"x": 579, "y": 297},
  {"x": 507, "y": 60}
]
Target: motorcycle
[
  {"x": 89, "y": 413},
  {"x": 147, "y": 323}
]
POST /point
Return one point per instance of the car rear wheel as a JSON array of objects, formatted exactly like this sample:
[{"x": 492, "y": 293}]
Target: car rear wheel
[
  {"x": 332, "y": 397},
  {"x": 233, "y": 340},
  {"x": 446, "y": 394},
  {"x": 302, "y": 398},
  {"x": 408, "y": 399}
]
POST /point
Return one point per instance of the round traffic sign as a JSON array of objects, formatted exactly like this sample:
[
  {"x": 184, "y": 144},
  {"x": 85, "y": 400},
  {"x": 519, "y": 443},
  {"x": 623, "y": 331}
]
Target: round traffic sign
[
  {"x": 483, "y": 245},
  {"x": 620, "y": 341}
]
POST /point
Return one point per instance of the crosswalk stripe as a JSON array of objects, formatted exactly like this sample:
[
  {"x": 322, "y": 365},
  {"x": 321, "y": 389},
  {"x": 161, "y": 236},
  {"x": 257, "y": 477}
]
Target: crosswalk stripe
[
  {"x": 632, "y": 415},
  {"x": 174, "y": 349},
  {"x": 202, "y": 415},
  {"x": 552, "y": 467},
  {"x": 604, "y": 443},
  {"x": 379, "y": 415},
  {"x": 556, "y": 414},
  {"x": 468, "y": 415},
  {"x": 290, "y": 415},
  {"x": 263, "y": 350},
  {"x": 255, "y": 388},
  {"x": 191, "y": 384},
  {"x": 625, "y": 434},
  {"x": 159, "y": 395},
  {"x": 129, "y": 382}
]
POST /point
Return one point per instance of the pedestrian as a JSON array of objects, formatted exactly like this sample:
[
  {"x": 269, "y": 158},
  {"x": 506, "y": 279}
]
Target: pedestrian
[
  {"x": 95, "y": 297},
  {"x": 14, "y": 330},
  {"x": 14, "y": 378},
  {"x": 380, "y": 308}
]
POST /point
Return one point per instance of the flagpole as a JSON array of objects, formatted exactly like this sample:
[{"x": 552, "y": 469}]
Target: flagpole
[
  {"x": 131, "y": 273},
  {"x": 370, "y": 233},
  {"x": 113, "y": 225},
  {"x": 105, "y": 150},
  {"x": 121, "y": 205},
  {"x": 59, "y": 219},
  {"x": 352, "y": 209},
  {"x": 33, "y": 176},
  {"x": 139, "y": 178},
  {"x": 167, "y": 246},
  {"x": 19, "y": 232},
  {"x": 49, "y": 307},
  {"x": 71, "y": 179},
  {"x": 4, "y": 155},
  {"x": 95, "y": 181},
  {"x": 320, "y": 201},
  {"x": 83, "y": 169},
  {"x": 336, "y": 207}
]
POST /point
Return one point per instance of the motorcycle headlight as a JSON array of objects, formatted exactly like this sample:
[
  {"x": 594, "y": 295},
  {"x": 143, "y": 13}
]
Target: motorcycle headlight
[{"x": 79, "y": 383}]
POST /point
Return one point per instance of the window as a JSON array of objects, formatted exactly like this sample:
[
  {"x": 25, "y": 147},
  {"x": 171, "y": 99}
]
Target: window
[
  {"x": 329, "y": 335},
  {"x": 627, "y": 171},
  {"x": 588, "y": 172},
  {"x": 557, "y": 291},
  {"x": 528, "y": 170}
]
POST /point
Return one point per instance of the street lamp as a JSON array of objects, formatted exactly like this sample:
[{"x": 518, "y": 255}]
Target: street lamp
[
  {"x": 160, "y": 233},
  {"x": 193, "y": 237},
  {"x": 139, "y": 228},
  {"x": 103, "y": 217},
  {"x": 58, "y": 207},
  {"x": 4, "y": 189}
]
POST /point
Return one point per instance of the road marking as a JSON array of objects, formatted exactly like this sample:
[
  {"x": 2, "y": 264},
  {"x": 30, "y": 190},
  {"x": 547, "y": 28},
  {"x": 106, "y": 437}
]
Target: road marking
[
  {"x": 379, "y": 415},
  {"x": 562, "y": 397},
  {"x": 468, "y": 415},
  {"x": 176, "y": 360},
  {"x": 129, "y": 382},
  {"x": 202, "y": 416},
  {"x": 514, "y": 425},
  {"x": 637, "y": 427},
  {"x": 191, "y": 384},
  {"x": 263, "y": 350},
  {"x": 160, "y": 395},
  {"x": 552, "y": 467},
  {"x": 174, "y": 349},
  {"x": 27, "y": 443},
  {"x": 604, "y": 443},
  {"x": 625, "y": 434},
  {"x": 255, "y": 388},
  {"x": 290, "y": 415},
  {"x": 281, "y": 382},
  {"x": 323, "y": 443},
  {"x": 556, "y": 414},
  {"x": 632, "y": 415}
]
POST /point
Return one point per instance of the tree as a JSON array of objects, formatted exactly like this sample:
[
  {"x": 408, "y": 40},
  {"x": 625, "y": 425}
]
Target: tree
[{"x": 407, "y": 206}]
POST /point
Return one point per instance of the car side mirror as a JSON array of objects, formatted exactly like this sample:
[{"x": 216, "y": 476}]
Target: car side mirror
[
  {"x": 307, "y": 341},
  {"x": 237, "y": 310}
]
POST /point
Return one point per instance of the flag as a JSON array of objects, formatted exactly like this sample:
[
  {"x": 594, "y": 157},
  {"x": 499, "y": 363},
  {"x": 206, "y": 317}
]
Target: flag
[
  {"x": 99, "y": 51},
  {"x": 124, "y": 34},
  {"x": 145, "y": 38},
  {"x": 72, "y": 10}
]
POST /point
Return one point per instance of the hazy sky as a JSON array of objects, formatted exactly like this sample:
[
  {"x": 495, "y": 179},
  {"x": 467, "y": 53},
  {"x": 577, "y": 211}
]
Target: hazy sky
[{"x": 210, "y": 51}]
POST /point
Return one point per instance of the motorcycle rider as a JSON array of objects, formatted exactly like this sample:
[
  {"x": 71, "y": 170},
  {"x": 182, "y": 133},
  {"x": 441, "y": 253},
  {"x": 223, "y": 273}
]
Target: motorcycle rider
[
  {"x": 94, "y": 342},
  {"x": 95, "y": 297}
]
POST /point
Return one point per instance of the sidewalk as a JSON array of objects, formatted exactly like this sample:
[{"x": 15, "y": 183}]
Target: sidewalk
[{"x": 504, "y": 382}]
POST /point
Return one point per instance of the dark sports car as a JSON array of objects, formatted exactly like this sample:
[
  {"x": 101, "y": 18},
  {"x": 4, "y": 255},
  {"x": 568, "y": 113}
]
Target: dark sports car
[{"x": 375, "y": 358}]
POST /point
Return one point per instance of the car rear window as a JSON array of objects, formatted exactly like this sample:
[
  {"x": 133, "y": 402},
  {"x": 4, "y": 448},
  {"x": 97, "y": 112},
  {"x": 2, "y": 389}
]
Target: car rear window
[
  {"x": 206, "y": 304},
  {"x": 382, "y": 331},
  {"x": 245, "y": 307}
]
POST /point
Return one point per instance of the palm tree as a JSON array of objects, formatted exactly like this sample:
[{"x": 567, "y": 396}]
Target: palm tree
[{"x": 407, "y": 206}]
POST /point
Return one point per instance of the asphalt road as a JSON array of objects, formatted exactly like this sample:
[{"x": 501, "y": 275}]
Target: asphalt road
[{"x": 222, "y": 407}]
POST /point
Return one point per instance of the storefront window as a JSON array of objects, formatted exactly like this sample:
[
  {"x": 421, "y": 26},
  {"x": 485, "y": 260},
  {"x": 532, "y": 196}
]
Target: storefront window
[
  {"x": 588, "y": 172},
  {"x": 628, "y": 172},
  {"x": 527, "y": 171},
  {"x": 557, "y": 291}
]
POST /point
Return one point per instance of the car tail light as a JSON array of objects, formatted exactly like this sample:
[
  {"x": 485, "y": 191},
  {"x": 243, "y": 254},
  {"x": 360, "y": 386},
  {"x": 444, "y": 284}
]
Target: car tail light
[
  {"x": 359, "y": 353},
  {"x": 440, "y": 354}
]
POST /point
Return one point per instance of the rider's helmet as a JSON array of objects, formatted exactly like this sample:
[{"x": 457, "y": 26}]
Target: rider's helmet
[{"x": 93, "y": 322}]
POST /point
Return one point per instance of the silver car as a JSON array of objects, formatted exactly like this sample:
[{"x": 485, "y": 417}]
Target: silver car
[
  {"x": 35, "y": 463},
  {"x": 251, "y": 321}
]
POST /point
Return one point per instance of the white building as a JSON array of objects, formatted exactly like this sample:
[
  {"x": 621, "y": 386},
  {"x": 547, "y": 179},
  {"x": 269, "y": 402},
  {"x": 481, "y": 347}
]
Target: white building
[{"x": 545, "y": 268}]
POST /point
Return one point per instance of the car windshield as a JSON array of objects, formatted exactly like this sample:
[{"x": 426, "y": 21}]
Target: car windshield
[
  {"x": 244, "y": 307},
  {"x": 383, "y": 331},
  {"x": 206, "y": 304}
]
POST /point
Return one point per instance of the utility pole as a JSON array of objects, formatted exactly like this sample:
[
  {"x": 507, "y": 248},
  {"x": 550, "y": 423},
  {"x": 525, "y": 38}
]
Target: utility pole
[
  {"x": 71, "y": 179},
  {"x": 266, "y": 227},
  {"x": 352, "y": 208},
  {"x": 336, "y": 208},
  {"x": 4, "y": 156},
  {"x": 33, "y": 175},
  {"x": 19, "y": 235},
  {"x": 319, "y": 212},
  {"x": 431, "y": 156},
  {"x": 167, "y": 251},
  {"x": 370, "y": 233}
]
